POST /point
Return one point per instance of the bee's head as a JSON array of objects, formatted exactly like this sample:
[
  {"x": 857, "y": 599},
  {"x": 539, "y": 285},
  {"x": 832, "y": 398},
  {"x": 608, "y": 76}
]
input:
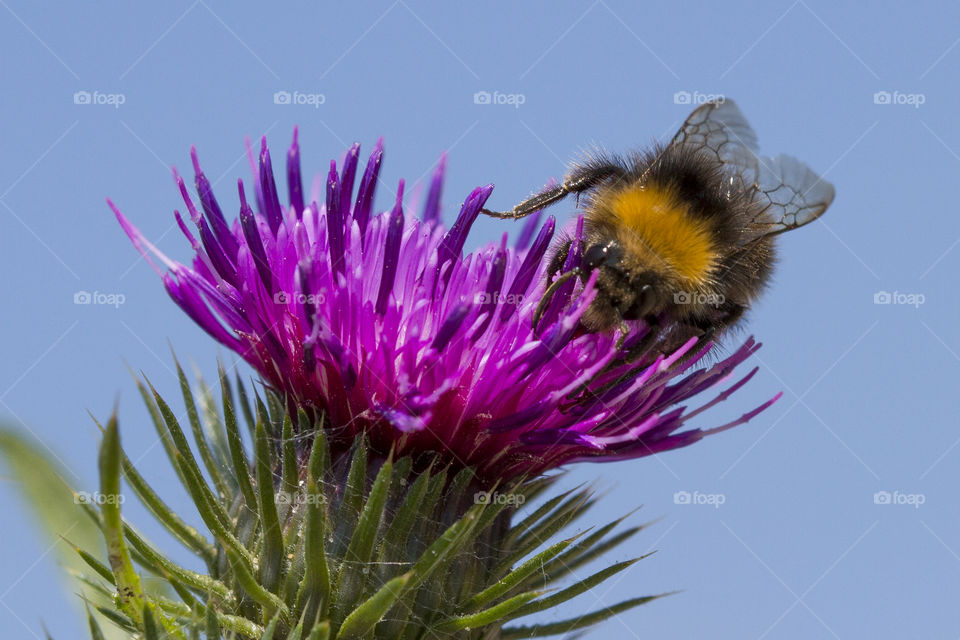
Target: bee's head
[{"x": 623, "y": 284}]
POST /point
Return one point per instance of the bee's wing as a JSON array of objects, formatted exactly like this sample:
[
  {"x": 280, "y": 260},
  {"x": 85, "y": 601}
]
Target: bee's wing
[
  {"x": 719, "y": 130},
  {"x": 789, "y": 193}
]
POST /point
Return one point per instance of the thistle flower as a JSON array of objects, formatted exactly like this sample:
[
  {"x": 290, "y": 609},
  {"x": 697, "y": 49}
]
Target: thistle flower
[{"x": 380, "y": 322}]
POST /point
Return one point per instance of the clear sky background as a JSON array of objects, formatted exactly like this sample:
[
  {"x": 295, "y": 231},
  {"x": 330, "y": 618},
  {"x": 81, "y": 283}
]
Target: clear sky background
[{"x": 799, "y": 548}]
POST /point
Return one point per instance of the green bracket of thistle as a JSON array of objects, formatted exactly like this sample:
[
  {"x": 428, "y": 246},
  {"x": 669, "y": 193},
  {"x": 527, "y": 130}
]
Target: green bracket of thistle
[{"x": 302, "y": 546}]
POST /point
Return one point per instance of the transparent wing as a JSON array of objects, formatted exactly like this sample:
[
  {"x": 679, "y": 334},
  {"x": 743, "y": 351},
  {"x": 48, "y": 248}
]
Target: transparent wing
[
  {"x": 720, "y": 130},
  {"x": 789, "y": 193}
]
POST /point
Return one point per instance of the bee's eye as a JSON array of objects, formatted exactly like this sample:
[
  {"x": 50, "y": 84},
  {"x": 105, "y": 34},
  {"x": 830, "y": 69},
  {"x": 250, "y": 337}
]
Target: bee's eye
[{"x": 600, "y": 254}]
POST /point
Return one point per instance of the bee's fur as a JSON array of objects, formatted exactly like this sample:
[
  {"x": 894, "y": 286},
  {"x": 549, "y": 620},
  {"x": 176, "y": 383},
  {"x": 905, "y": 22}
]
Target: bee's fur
[
  {"x": 681, "y": 236},
  {"x": 740, "y": 264}
]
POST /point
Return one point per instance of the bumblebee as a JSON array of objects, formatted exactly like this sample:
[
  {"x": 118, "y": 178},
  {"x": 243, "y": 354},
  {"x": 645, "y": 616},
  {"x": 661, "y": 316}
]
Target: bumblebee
[{"x": 682, "y": 235}]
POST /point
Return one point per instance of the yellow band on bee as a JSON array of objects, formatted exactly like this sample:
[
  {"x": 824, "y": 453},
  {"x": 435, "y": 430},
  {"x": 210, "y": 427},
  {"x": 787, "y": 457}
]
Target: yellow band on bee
[{"x": 668, "y": 229}]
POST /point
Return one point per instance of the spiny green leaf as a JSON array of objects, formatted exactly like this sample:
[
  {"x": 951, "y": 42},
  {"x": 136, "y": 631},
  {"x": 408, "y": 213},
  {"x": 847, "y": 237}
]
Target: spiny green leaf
[
  {"x": 183, "y": 532},
  {"x": 213, "y": 624},
  {"x": 290, "y": 471},
  {"x": 544, "y": 530},
  {"x": 271, "y": 628},
  {"x": 206, "y": 454},
  {"x": 244, "y": 402},
  {"x": 202, "y": 501},
  {"x": 573, "y": 624},
  {"x": 270, "y": 603},
  {"x": 159, "y": 425},
  {"x": 368, "y": 614},
  {"x": 129, "y": 592},
  {"x": 183, "y": 457},
  {"x": 348, "y": 511},
  {"x": 95, "y": 632},
  {"x": 528, "y": 521},
  {"x": 167, "y": 568},
  {"x": 576, "y": 589},
  {"x": 238, "y": 457},
  {"x": 517, "y": 576},
  {"x": 102, "y": 570},
  {"x": 487, "y": 616},
  {"x": 354, "y": 568},
  {"x": 395, "y": 539},
  {"x": 315, "y": 588},
  {"x": 272, "y": 557},
  {"x": 579, "y": 557},
  {"x": 320, "y": 631},
  {"x": 150, "y": 631},
  {"x": 213, "y": 428}
]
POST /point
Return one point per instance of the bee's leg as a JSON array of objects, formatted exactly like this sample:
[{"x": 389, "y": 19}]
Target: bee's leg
[
  {"x": 531, "y": 204},
  {"x": 647, "y": 342},
  {"x": 548, "y": 294},
  {"x": 578, "y": 181},
  {"x": 705, "y": 338}
]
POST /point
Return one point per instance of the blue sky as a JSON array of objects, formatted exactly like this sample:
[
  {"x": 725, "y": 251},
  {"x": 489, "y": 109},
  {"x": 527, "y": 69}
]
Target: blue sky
[{"x": 799, "y": 548}]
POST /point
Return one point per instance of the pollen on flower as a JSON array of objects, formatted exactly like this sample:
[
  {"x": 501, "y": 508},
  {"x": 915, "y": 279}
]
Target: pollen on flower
[{"x": 377, "y": 319}]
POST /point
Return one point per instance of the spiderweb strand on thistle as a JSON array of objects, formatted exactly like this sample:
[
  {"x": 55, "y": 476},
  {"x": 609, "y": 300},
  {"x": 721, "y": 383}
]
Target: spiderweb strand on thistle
[{"x": 384, "y": 325}]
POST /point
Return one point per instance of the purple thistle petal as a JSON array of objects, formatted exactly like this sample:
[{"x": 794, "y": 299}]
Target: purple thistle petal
[
  {"x": 268, "y": 186},
  {"x": 254, "y": 243},
  {"x": 334, "y": 218},
  {"x": 431, "y": 210},
  {"x": 368, "y": 184},
  {"x": 531, "y": 263},
  {"x": 383, "y": 324},
  {"x": 391, "y": 253},
  {"x": 491, "y": 297},
  {"x": 294, "y": 181},
  {"x": 348, "y": 175},
  {"x": 529, "y": 228},
  {"x": 211, "y": 208}
]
